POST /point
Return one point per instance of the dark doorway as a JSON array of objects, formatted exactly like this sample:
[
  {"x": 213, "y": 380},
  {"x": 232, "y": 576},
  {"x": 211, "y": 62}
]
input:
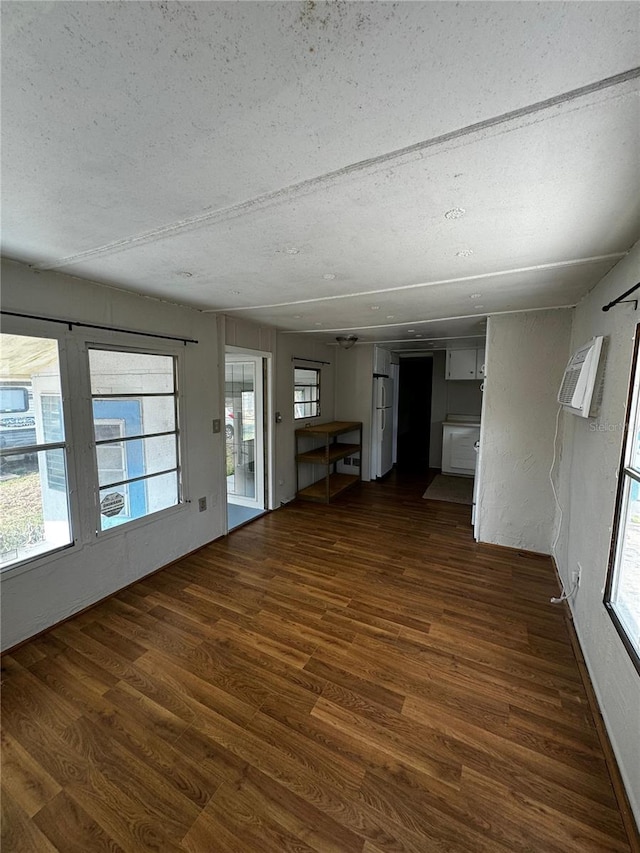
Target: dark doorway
[{"x": 414, "y": 413}]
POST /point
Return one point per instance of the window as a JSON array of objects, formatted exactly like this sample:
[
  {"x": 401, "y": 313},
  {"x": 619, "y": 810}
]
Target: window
[
  {"x": 306, "y": 392},
  {"x": 34, "y": 490},
  {"x": 622, "y": 592},
  {"x": 135, "y": 427}
]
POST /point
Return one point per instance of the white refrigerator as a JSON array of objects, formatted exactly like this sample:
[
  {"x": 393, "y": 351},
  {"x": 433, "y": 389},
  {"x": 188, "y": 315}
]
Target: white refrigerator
[{"x": 382, "y": 430}]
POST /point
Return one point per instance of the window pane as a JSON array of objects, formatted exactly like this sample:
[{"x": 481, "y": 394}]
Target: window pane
[
  {"x": 130, "y": 373},
  {"x": 306, "y": 395},
  {"x": 625, "y": 596},
  {"x": 305, "y": 410},
  {"x": 306, "y": 377},
  {"x": 149, "y": 407},
  {"x": 119, "y": 504},
  {"x": 29, "y": 376},
  {"x": 34, "y": 510},
  {"x": 123, "y": 460},
  {"x": 134, "y": 416}
]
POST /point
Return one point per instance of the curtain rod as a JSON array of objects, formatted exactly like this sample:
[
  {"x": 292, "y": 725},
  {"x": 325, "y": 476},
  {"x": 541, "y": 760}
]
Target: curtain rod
[
  {"x": 621, "y": 298},
  {"x": 314, "y": 360},
  {"x": 72, "y": 323}
]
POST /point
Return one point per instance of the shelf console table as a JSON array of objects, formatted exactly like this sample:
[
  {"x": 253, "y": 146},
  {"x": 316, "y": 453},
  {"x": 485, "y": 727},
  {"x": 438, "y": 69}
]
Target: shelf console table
[{"x": 326, "y": 454}]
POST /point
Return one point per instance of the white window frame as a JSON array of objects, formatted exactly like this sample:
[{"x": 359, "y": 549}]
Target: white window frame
[
  {"x": 82, "y": 480},
  {"x": 317, "y": 401},
  {"x": 49, "y": 331},
  {"x": 628, "y": 476},
  {"x": 125, "y": 347}
]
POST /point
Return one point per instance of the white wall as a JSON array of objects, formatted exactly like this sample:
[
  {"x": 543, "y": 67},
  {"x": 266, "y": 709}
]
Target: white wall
[
  {"x": 464, "y": 397},
  {"x": 354, "y": 394},
  {"x": 587, "y": 485},
  {"x": 526, "y": 357},
  {"x": 248, "y": 336},
  {"x": 54, "y": 587},
  {"x": 302, "y": 347}
]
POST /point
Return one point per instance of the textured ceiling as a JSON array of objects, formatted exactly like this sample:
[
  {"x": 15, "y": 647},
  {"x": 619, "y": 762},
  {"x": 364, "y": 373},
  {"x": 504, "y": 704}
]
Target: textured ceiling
[{"x": 293, "y": 163}]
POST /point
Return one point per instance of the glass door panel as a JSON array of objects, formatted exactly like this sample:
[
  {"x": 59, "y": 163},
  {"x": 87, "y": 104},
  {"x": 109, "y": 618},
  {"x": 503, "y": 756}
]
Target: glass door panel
[{"x": 243, "y": 431}]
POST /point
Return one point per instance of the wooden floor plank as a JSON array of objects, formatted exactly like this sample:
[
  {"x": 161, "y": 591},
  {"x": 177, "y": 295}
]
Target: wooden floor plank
[
  {"x": 361, "y": 677},
  {"x": 19, "y": 833},
  {"x": 24, "y": 778},
  {"x": 68, "y": 827}
]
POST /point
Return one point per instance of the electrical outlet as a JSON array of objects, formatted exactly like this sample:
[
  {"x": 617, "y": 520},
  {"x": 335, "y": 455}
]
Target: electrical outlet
[{"x": 202, "y": 504}]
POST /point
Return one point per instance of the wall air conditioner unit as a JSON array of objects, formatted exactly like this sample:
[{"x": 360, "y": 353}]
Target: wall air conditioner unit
[{"x": 576, "y": 393}]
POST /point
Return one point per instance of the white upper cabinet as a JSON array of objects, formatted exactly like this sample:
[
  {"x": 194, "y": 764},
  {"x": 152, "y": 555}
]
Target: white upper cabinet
[
  {"x": 465, "y": 364},
  {"x": 461, "y": 364}
]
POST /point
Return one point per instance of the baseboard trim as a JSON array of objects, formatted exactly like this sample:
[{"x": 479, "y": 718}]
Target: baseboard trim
[{"x": 513, "y": 550}]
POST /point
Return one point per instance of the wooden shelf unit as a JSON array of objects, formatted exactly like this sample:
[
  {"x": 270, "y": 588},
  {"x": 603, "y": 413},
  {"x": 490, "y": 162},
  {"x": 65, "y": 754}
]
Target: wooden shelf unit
[{"x": 327, "y": 455}]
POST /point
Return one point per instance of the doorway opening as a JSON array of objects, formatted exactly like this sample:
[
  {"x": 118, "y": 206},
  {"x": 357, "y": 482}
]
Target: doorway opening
[
  {"x": 244, "y": 430},
  {"x": 414, "y": 413}
]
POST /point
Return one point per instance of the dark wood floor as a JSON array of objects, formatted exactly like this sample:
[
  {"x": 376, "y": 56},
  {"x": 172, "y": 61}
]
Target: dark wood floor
[{"x": 356, "y": 678}]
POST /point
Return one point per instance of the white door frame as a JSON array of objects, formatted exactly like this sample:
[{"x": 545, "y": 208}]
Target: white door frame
[{"x": 264, "y": 361}]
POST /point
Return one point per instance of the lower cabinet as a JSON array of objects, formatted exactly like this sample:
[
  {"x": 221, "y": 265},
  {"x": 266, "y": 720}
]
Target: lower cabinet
[{"x": 458, "y": 449}]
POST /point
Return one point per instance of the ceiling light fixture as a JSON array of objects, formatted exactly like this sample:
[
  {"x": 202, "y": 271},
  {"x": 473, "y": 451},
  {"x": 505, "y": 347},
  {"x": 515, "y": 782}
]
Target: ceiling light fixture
[
  {"x": 455, "y": 213},
  {"x": 475, "y": 296},
  {"x": 329, "y": 276},
  {"x": 464, "y": 253},
  {"x": 390, "y": 316},
  {"x": 374, "y": 307},
  {"x": 346, "y": 341},
  {"x": 292, "y": 251},
  {"x": 185, "y": 274}
]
